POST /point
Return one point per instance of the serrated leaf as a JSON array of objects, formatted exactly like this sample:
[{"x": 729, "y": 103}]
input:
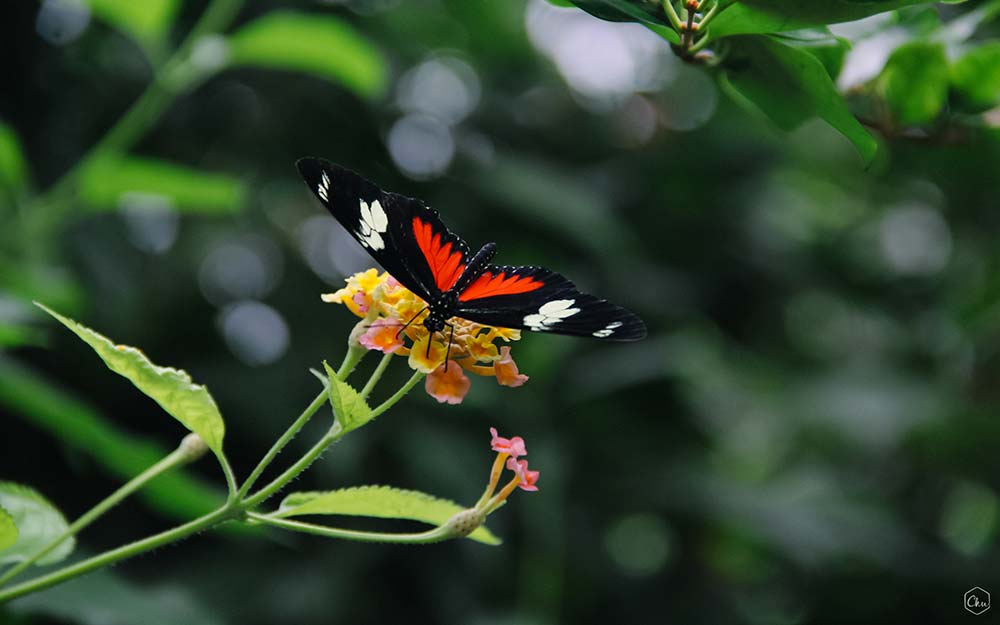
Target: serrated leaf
[
  {"x": 321, "y": 45},
  {"x": 189, "y": 403},
  {"x": 915, "y": 82},
  {"x": 350, "y": 409},
  {"x": 975, "y": 77},
  {"x": 47, "y": 406},
  {"x": 381, "y": 502},
  {"x": 8, "y": 529},
  {"x": 38, "y": 523},
  {"x": 127, "y": 181},
  {"x": 148, "y": 22},
  {"x": 776, "y": 16},
  {"x": 790, "y": 86}
]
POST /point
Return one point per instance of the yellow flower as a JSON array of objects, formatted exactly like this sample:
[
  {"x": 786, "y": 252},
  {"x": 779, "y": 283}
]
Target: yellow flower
[{"x": 385, "y": 304}]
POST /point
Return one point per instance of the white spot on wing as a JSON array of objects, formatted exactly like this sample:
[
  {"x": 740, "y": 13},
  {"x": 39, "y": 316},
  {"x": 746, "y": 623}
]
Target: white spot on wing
[
  {"x": 608, "y": 330},
  {"x": 549, "y": 314},
  {"x": 323, "y": 188},
  {"x": 373, "y": 225}
]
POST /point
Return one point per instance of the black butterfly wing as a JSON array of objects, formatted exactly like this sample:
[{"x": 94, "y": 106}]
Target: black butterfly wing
[
  {"x": 402, "y": 234},
  {"x": 540, "y": 300}
]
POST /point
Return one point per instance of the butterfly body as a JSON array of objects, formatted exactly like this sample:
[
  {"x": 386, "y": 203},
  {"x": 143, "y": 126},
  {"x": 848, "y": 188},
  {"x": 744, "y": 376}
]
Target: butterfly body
[{"x": 411, "y": 243}]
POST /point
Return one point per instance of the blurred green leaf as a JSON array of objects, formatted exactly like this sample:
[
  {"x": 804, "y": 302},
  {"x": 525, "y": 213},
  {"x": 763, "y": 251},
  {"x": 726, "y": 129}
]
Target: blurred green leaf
[
  {"x": 321, "y": 45},
  {"x": 13, "y": 166},
  {"x": 349, "y": 407},
  {"x": 36, "y": 281},
  {"x": 148, "y": 21},
  {"x": 648, "y": 14},
  {"x": 189, "y": 403},
  {"x": 790, "y": 86},
  {"x": 8, "y": 529},
  {"x": 38, "y": 523},
  {"x": 381, "y": 502},
  {"x": 103, "y": 598},
  {"x": 15, "y": 334},
  {"x": 775, "y": 16},
  {"x": 915, "y": 82},
  {"x": 27, "y": 394},
  {"x": 976, "y": 76},
  {"x": 822, "y": 44},
  {"x": 113, "y": 182},
  {"x": 969, "y": 518}
]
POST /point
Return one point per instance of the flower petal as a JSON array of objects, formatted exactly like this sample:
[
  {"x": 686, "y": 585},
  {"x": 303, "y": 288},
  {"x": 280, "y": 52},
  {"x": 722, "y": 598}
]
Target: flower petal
[{"x": 448, "y": 384}]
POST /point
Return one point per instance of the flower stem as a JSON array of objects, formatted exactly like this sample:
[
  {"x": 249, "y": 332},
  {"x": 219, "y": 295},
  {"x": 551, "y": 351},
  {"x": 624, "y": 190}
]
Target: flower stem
[
  {"x": 435, "y": 535},
  {"x": 376, "y": 375},
  {"x": 289, "y": 434},
  {"x": 398, "y": 395},
  {"x": 332, "y": 436},
  {"x": 116, "y": 555},
  {"x": 176, "y": 458},
  {"x": 675, "y": 20},
  {"x": 351, "y": 359}
]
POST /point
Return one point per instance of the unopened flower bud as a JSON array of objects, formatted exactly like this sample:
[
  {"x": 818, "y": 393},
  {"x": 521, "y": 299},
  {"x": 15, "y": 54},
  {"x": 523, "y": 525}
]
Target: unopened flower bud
[
  {"x": 193, "y": 447},
  {"x": 465, "y": 522}
]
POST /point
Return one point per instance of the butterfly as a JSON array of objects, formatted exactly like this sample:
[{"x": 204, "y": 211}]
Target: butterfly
[{"x": 409, "y": 240}]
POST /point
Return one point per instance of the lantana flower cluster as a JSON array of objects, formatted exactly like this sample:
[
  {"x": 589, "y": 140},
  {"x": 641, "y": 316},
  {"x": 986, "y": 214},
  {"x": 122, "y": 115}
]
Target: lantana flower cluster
[
  {"x": 385, "y": 306},
  {"x": 510, "y": 453}
]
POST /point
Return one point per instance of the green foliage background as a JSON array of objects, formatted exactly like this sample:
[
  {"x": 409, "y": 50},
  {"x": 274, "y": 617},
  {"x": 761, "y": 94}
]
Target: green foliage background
[{"x": 809, "y": 434}]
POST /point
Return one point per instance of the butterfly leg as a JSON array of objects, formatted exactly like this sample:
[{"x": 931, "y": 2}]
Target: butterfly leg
[{"x": 451, "y": 339}]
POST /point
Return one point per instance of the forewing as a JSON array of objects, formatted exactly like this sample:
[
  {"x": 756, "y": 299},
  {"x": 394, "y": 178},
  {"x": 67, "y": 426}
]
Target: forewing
[
  {"x": 540, "y": 300},
  {"x": 405, "y": 236}
]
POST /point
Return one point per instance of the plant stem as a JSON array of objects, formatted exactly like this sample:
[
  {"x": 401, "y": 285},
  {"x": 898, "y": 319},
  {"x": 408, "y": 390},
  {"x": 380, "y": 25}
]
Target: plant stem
[
  {"x": 675, "y": 20},
  {"x": 126, "y": 551},
  {"x": 176, "y": 458},
  {"x": 158, "y": 95},
  {"x": 398, "y": 395},
  {"x": 437, "y": 534},
  {"x": 351, "y": 359},
  {"x": 289, "y": 434},
  {"x": 332, "y": 436},
  {"x": 376, "y": 375}
]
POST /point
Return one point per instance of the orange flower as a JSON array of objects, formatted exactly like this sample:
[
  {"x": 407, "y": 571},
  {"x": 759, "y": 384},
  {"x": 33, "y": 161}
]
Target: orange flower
[
  {"x": 448, "y": 384},
  {"x": 506, "y": 370},
  {"x": 382, "y": 335},
  {"x": 386, "y": 305}
]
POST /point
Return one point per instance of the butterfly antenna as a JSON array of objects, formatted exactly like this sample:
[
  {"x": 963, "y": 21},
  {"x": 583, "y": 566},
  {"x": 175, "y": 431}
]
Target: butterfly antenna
[{"x": 412, "y": 319}]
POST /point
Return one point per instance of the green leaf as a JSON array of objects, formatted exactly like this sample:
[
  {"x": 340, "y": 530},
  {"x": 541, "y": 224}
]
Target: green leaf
[
  {"x": 189, "y": 403},
  {"x": 790, "y": 86},
  {"x": 81, "y": 427},
  {"x": 321, "y": 45},
  {"x": 106, "y": 598},
  {"x": 13, "y": 166},
  {"x": 828, "y": 49},
  {"x": 38, "y": 523},
  {"x": 975, "y": 77},
  {"x": 646, "y": 13},
  {"x": 349, "y": 407},
  {"x": 148, "y": 21},
  {"x": 381, "y": 502},
  {"x": 914, "y": 82},
  {"x": 775, "y": 16},
  {"x": 111, "y": 182},
  {"x": 8, "y": 529}
]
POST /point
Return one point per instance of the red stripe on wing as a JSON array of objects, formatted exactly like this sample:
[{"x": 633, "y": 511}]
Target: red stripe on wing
[
  {"x": 444, "y": 261},
  {"x": 490, "y": 285}
]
